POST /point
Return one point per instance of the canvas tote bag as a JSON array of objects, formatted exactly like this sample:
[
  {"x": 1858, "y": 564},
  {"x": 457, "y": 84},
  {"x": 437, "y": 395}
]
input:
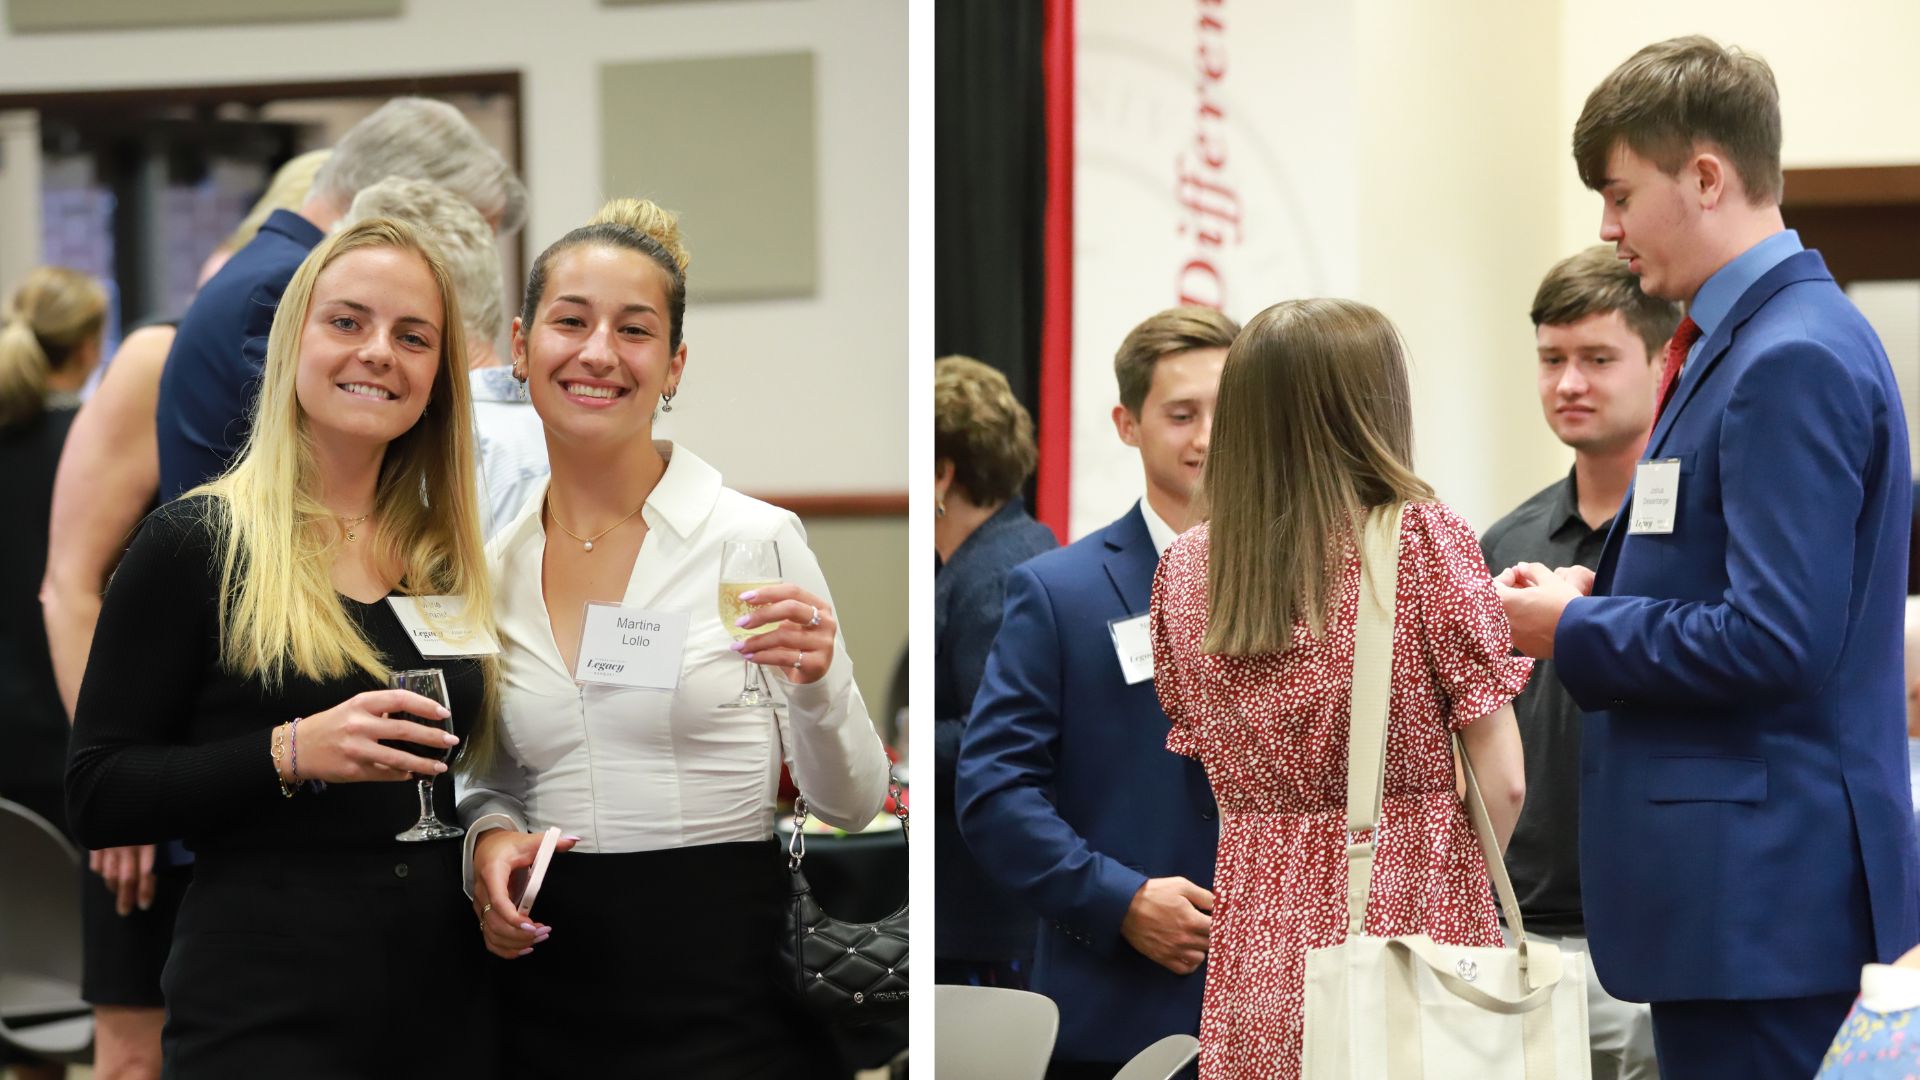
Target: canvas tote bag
[{"x": 1406, "y": 1008}]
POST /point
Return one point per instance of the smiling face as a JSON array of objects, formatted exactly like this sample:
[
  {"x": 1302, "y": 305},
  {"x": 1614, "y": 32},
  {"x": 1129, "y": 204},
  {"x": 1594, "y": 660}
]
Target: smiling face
[
  {"x": 1175, "y": 422},
  {"x": 371, "y": 346},
  {"x": 1596, "y": 382},
  {"x": 1653, "y": 220},
  {"x": 597, "y": 353}
]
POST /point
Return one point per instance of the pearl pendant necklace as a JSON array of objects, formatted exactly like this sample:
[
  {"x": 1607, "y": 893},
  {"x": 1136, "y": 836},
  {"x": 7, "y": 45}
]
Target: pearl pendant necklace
[{"x": 586, "y": 542}]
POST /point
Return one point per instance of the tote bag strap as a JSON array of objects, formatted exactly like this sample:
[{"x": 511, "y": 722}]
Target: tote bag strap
[{"x": 1367, "y": 737}]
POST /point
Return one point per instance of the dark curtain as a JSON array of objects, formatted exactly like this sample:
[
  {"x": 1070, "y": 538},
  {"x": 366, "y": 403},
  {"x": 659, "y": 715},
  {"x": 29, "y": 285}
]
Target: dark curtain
[{"x": 990, "y": 186}]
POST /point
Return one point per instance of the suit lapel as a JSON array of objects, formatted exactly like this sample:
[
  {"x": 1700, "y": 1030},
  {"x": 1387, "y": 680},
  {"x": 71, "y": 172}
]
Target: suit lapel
[
  {"x": 1131, "y": 561},
  {"x": 1800, "y": 266}
]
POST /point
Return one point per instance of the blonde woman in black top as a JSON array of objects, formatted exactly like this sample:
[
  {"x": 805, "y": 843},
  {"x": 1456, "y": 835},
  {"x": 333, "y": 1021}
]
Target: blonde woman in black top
[{"x": 242, "y": 652}]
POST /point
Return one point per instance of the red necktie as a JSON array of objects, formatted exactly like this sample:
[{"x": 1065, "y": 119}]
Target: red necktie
[{"x": 1683, "y": 338}]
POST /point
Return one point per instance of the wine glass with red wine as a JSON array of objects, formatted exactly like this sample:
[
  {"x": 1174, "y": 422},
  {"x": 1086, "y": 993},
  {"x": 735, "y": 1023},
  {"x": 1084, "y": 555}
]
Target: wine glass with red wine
[{"x": 428, "y": 683}]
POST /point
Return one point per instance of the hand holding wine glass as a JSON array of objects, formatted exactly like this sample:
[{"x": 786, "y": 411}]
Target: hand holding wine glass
[
  {"x": 343, "y": 744},
  {"x": 790, "y": 630}
]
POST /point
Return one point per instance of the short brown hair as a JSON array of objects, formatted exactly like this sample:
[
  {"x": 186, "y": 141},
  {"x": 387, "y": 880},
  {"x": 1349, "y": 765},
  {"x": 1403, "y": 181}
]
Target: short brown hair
[
  {"x": 1175, "y": 330},
  {"x": 1674, "y": 94},
  {"x": 982, "y": 428},
  {"x": 1596, "y": 281}
]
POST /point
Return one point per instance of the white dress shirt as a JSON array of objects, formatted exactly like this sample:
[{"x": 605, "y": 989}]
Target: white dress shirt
[
  {"x": 510, "y": 446},
  {"x": 642, "y": 770},
  {"x": 1162, "y": 534}
]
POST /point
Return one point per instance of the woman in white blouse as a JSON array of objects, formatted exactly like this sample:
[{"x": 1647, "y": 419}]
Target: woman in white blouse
[{"x": 669, "y": 903}]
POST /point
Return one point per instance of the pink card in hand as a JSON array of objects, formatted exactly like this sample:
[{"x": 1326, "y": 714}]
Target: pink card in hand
[{"x": 538, "y": 872}]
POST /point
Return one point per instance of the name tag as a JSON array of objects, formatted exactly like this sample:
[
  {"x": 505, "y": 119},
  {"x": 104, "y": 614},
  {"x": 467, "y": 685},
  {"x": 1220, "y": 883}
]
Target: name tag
[
  {"x": 438, "y": 626},
  {"x": 1134, "y": 645},
  {"x": 1656, "y": 494},
  {"x": 626, "y": 646}
]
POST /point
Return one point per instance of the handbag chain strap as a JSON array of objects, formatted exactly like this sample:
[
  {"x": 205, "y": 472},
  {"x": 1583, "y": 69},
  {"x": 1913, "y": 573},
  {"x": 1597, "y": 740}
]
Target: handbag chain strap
[
  {"x": 797, "y": 843},
  {"x": 1367, "y": 737}
]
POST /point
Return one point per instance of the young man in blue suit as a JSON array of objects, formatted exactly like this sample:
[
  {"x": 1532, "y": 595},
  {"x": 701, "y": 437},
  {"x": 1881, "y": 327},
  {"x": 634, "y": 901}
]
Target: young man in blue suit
[
  {"x": 1746, "y": 838},
  {"x": 1067, "y": 792}
]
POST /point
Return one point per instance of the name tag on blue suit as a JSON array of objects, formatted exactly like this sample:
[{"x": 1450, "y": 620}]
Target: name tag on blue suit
[{"x": 1656, "y": 495}]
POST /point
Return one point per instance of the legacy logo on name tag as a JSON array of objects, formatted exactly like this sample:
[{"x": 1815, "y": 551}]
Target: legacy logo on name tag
[
  {"x": 1656, "y": 494},
  {"x": 1134, "y": 645},
  {"x": 437, "y": 626},
  {"x": 626, "y": 646}
]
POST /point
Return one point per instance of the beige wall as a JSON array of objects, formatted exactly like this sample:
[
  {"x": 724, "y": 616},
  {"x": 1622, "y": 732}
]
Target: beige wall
[
  {"x": 865, "y": 561},
  {"x": 1457, "y": 213}
]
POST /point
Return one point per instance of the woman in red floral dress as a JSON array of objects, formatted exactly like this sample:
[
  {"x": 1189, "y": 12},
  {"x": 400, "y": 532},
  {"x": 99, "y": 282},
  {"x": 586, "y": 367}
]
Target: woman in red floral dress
[{"x": 1253, "y": 616}]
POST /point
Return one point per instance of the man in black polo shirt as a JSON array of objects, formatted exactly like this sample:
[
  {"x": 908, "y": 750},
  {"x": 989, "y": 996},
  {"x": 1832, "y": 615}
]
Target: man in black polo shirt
[{"x": 1600, "y": 340}]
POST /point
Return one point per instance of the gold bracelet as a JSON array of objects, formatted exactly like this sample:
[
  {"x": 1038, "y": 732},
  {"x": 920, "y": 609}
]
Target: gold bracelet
[{"x": 278, "y": 748}]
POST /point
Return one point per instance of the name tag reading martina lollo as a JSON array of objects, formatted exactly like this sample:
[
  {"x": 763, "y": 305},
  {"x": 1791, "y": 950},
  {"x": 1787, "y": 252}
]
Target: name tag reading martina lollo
[
  {"x": 437, "y": 629},
  {"x": 1133, "y": 644},
  {"x": 626, "y": 646}
]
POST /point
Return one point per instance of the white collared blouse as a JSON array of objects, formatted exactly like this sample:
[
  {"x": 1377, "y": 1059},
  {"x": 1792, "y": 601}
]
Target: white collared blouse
[{"x": 642, "y": 770}]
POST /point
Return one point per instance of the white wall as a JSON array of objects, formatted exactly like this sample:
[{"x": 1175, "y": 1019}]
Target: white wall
[
  {"x": 804, "y": 395},
  {"x": 1457, "y": 213}
]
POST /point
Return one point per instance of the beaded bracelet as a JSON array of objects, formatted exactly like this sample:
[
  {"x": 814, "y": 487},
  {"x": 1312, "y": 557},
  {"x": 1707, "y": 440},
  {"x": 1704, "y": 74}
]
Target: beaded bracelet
[{"x": 276, "y": 746}]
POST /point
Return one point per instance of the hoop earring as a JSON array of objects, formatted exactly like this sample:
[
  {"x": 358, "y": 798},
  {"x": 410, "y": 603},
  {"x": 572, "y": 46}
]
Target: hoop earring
[
  {"x": 666, "y": 399},
  {"x": 519, "y": 373}
]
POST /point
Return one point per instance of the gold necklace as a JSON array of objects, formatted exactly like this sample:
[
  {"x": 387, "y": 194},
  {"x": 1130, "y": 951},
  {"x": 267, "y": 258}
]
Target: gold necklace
[
  {"x": 349, "y": 523},
  {"x": 587, "y": 541}
]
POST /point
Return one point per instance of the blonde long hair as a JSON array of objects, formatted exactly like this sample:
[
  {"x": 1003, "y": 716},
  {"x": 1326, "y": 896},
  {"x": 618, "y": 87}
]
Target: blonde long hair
[
  {"x": 1314, "y": 426},
  {"x": 282, "y": 610},
  {"x": 53, "y": 312}
]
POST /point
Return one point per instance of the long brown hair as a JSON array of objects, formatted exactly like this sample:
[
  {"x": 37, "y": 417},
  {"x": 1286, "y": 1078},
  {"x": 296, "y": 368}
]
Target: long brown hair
[{"x": 1314, "y": 425}]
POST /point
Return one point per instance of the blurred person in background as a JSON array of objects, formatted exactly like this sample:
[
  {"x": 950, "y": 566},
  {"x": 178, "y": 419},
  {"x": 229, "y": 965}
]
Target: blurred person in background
[
  {"x": 983, "y": 454},
  {"x": 108, "y": 479},
  {"x": 509, "y": 441},
  {"x": 1254, "y": 622},
  {"x": 214, "y": 368},
  {"x": 1067, "y": 794},
  {"x": 1598, "y": 339},
  {"x": 50, "y": 340},
  {"x": 286, "y": 191}
]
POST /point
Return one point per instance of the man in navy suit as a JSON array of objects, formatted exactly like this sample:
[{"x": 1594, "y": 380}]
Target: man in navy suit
[
  {"x": 1746, "y": 841},
  {"x": 1067, "y": 792}
]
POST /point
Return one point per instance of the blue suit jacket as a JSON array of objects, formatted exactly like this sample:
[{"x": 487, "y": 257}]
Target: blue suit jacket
[
  {"x": 213, "y": 371},
  {"x": 1070, "y": 797},
  {"x": 1745, "y": 821}
]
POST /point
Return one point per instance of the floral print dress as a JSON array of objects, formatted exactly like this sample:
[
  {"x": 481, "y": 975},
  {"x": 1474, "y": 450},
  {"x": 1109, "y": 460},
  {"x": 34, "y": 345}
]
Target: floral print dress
[{"x": 1272, "y": 733}]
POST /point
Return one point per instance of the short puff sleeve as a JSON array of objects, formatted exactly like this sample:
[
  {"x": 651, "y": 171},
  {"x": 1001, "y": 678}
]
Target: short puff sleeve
[{"x": 1463, "y": 627}]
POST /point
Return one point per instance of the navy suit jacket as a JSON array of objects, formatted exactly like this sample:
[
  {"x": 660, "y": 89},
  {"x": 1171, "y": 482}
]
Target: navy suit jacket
[
  {"x": 1745, "y": 820},
  {"x": 1070, "y": 797},
  {"x": 213, "y": 371}
]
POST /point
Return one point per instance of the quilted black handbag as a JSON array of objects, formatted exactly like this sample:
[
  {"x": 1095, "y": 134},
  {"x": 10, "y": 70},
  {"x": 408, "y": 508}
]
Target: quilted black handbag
[{"x": 845, "y": 972}]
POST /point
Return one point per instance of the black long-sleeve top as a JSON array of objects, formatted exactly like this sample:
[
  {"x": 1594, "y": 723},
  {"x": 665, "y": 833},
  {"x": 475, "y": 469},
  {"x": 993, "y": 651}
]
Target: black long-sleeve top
[{"x": 167, "y": 743}]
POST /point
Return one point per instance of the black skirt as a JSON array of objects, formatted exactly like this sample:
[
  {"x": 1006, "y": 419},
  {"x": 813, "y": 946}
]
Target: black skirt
[
  {"x": 662, "y": 963},
  {"x": 301, "y": 964}
]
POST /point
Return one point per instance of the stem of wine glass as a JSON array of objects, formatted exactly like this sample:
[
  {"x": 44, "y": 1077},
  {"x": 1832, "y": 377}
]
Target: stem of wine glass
[
  {"x": 425, "y": 787},
  {"x": 746, "y": 686}
]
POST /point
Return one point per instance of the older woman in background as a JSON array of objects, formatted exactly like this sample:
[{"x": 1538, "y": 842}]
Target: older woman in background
[{"x": 983, "y": 453}]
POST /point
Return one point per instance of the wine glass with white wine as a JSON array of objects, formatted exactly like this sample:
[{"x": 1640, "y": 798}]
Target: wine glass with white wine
[{"x": 746, "y": 565}]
